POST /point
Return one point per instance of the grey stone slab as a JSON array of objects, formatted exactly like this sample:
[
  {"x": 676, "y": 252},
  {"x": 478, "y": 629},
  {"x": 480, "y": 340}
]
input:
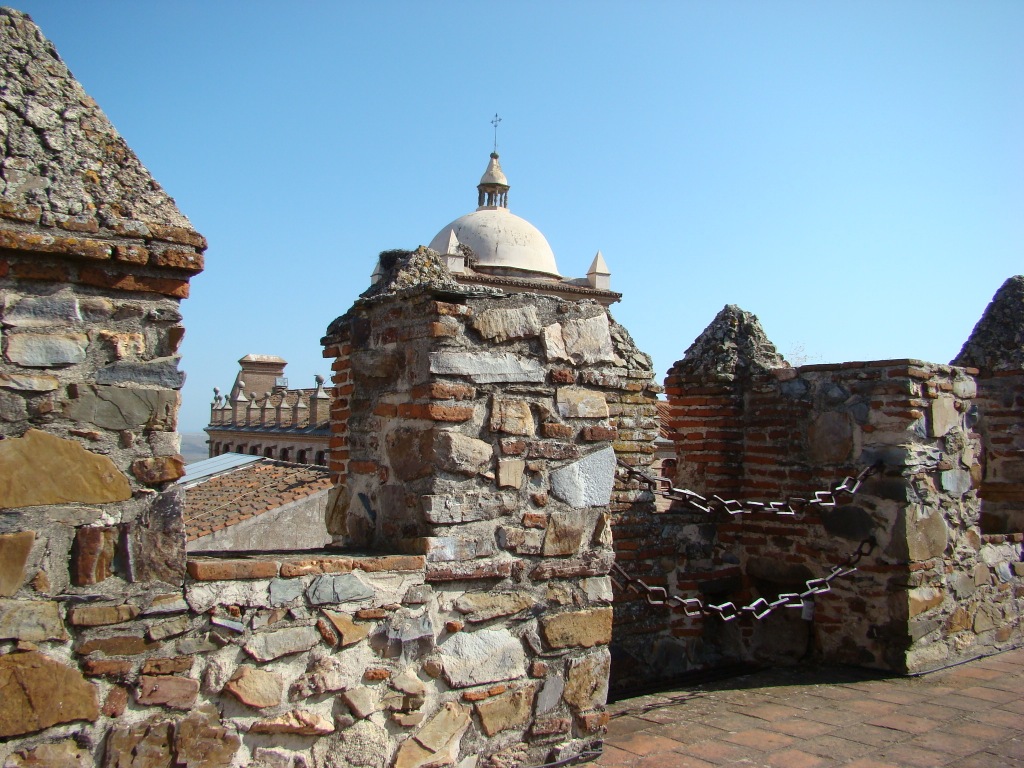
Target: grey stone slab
[
  {"x": 42, "y": 311},
  {"x": 586, "y": 482},
  {"x": 282, "y": 642},
  {"x": 123, "y": 407},
  {"x": 487, "y": 367},
  {"x": 485, "y": 656},
  {"x": 283, "y": 591},
  {"x": 39, "y": 350},
  {"x": 161, "y": 372},
  {"x": 338, "y": 588}
]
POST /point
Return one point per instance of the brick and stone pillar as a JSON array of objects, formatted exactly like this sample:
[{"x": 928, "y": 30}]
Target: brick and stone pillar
[{"x": 481, "y": 430}]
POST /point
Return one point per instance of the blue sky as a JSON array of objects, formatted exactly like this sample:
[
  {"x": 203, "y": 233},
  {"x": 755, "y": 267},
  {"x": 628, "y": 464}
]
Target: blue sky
[{"x": 851, "y": 172}]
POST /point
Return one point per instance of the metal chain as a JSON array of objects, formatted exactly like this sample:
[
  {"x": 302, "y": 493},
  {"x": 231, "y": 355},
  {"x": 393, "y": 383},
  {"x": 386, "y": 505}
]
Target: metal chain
[
  {"x": 760, "y": 608},
  {"x": 793, "y": 505}
]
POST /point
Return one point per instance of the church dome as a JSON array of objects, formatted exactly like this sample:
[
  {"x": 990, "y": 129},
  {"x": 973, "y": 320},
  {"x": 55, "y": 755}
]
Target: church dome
[{"x": 498, "y": 238}]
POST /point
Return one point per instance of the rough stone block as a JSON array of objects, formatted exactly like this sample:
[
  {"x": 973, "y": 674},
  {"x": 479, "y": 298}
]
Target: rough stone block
[
  {"x": 437, "y": 742},
  {"x": 830, "y": 438},
  {"x": 500, "y": 325},
  {"x": 487, "y": 367},
  {"x": 282, "y": 642},
  {"x": 587, "y": 682},
  {"x": 156, "y": 540},
  {"x": 581, "y": 403},
  {"x": 37, "y": 692},
  {"x": 24, "y": 382},
  {"x": 341, "y": 588},
  {"x": 101, "y": 615},
  {"x": 31, "y": 620},
  {"x": 461, "y": 454},
  {"x": 484, "y": 656},
  {"x": 564, "y": 533},
  {"x": 944, "y": 416},
  {"x": 158, "y": 469},
  {"x": 39, "y": 468},
  {"x": 511, "y": 473},
  {"x": 582, "y": 629},
  {"x": 512, "y": 416},
  {"x": 39, "y": 350},
  {"x": 506, "y": 711},
  {"x": 160, "y": 372},
  {"x": 587, "y": 482},
  {"x": 14, "y": 552},
  {"x": 348, "y": 631},
  {"x": 484, "y": 606},
  {"x": 92, "y": 555},
  {"x": 256, "y": 688},
  {"x": 61, "y": 754},
  {"x": 123, "y": 407},
  {"x": 167, "y": 691},
  {"x": 298, "y": 721}
]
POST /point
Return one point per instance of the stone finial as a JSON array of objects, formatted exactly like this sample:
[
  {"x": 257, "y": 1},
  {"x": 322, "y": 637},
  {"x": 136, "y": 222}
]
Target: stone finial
[
  {"x": 598, "y": 276},
  {"x": 997, "y": 341},
  {"x": 732, "y": 346}
]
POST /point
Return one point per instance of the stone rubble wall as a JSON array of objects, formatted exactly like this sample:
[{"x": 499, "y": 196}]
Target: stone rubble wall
[
  {"x": 480, "y": 431},
  {"x": 1001, "y": 402},
  {"x": 927, "y": 596}
]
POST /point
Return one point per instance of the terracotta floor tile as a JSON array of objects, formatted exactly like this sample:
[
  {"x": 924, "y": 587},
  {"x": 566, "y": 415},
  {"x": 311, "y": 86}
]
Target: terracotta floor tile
[
  {"x": 644, "y": 743},
  {"x": 833, "y": 747},
  {"x": 802, "y": 729},
  {"x": 951, "y": 743},
  {"x": 871, "y": 735},
  {"x": 613, "y": 757},
  {"x": 986, "y": 760},
  {"x": 965, "y": 703},
  {"x": 621, "y": 726},
  {"x": 997, "y": 717},
  {"x": 906, "y": 723},
  {"x": 731, "y": 721},
  {"x": 895, "y": 695},
  {"x": 993, "y": 695},
  {"x": 975, "y": 673},
  {"x": 870, "y": 707},
  {"x": 907, "y": 755},
  {"x": 871, "y": 762},
  {"x": 835, "y": 716},
  {"x": 689, "y": 733},
  {"x": 760, "y": 739},
  {"x": 718, "y": 752},
  {"x": 794, "y": 758},
  {"x": 772, "y": 712},
  {"x": 935, "y": 712},
  {"x": 1010, "y": 748},
  {"x": 671, "y": 760},
  {"x": 1014, "y": 706},
  {"x": 980, "y": 731}
]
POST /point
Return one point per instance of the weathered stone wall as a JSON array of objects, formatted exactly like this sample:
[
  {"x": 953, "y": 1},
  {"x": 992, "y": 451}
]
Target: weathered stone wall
[
  {"x": 996, "y": 348},
  {"x": 752, "y": 428},
  {"x": 94, "y": 258},
  {"x": 481, "y": 430}
]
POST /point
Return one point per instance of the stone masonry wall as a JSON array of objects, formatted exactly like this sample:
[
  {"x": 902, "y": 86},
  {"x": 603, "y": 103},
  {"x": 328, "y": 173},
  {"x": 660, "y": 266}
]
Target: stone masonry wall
[
  {"x": 996, "y": 348},
  {"x": 480, "y": 431},
  {"x": 934, "y": 591}
]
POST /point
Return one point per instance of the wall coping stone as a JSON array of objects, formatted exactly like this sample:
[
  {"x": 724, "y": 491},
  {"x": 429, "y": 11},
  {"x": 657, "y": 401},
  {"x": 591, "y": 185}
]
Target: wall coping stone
[{"x": 235, "y": 568}]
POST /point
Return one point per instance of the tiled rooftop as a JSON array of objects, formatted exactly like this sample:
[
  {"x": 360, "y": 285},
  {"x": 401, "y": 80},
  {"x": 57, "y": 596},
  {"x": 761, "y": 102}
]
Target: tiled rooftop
[{"x": 244, "y": 493}]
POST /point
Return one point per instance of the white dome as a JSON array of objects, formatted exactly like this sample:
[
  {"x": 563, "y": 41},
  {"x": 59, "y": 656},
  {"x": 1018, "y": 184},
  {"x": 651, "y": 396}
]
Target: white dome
[{"x": 500, "y": 239}]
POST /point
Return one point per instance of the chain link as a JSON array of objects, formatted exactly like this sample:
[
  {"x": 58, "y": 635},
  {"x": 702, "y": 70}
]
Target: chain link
[
  {"x": 760, "y": 608},
  {"x": 792, "y": 506}
]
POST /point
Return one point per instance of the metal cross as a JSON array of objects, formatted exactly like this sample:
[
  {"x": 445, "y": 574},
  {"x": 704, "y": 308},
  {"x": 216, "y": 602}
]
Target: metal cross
[{"x": 495, "y": 122}]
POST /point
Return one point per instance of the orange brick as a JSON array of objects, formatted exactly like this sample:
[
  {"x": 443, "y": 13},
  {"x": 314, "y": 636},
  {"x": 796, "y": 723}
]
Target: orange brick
[{"x": 229, "y": 570}]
